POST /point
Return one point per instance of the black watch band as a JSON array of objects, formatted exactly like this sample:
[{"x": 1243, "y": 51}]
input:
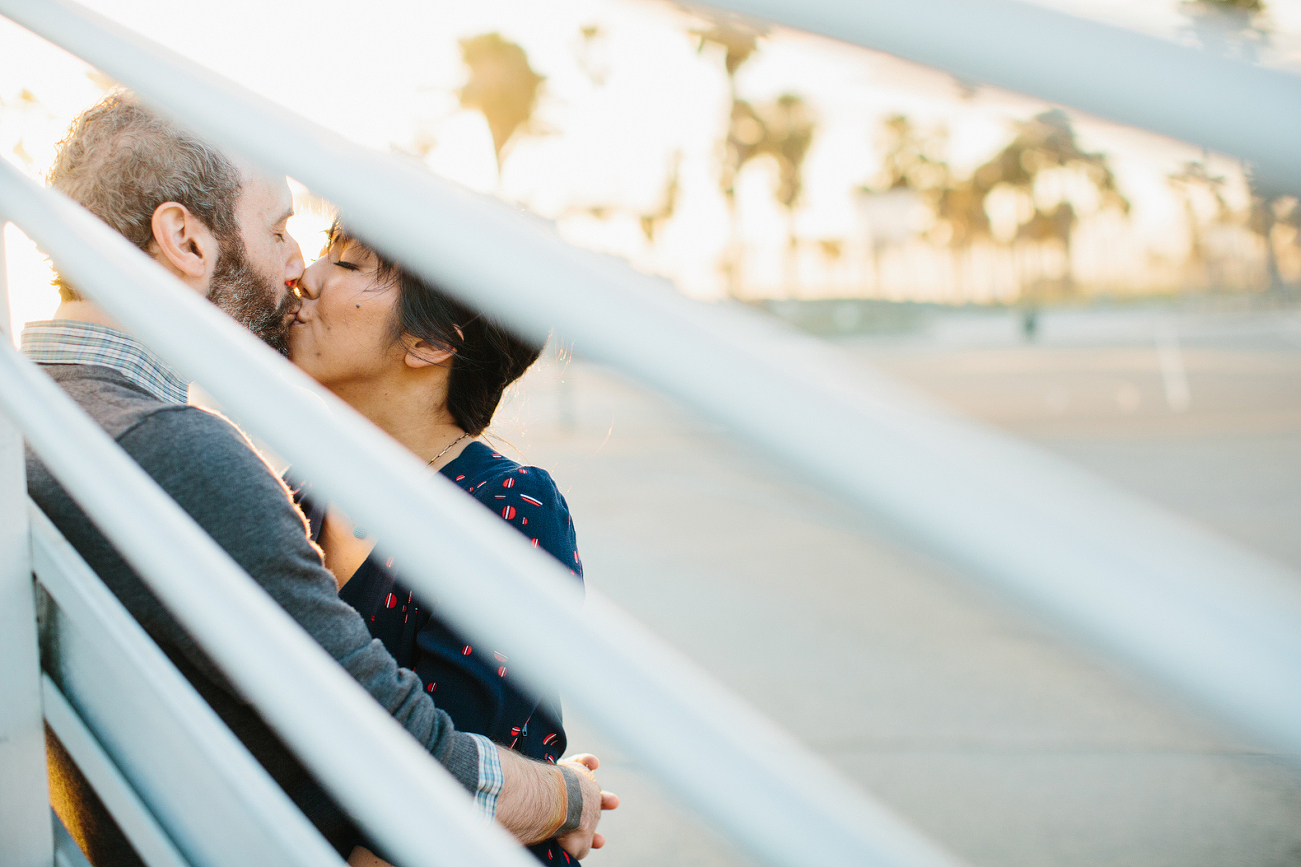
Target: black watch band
[{"x": 574, "y": 801}]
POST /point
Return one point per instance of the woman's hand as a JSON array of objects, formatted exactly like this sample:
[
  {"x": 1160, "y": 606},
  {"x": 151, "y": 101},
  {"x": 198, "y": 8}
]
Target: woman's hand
[{"x": 578, "y": 843}]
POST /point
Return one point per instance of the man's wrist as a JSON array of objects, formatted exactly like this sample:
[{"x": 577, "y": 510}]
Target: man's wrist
[
  {"x": 490, "y": 778},
  {"x": 534, "y": 802},
  {"x": 573, "y": 802},
  {"x": 559, "y": 810}
]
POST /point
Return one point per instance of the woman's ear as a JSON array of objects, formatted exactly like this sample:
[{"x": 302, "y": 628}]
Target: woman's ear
[
  {"x": 421, "y": 353},
  {"x": 183, "y": 244}
]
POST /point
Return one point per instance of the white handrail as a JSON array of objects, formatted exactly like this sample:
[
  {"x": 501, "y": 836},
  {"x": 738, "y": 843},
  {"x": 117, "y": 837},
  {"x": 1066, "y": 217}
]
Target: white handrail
[
  {"x": 1198, "y": 613},
  {"x": 391, "y": 786},
  {"x": 25, "y": 837},
  {"x": 66, "y": 853},
  {"x": 138, "y": 825},
  {"x": 1140, "y": 80},
  {"x": 274, "y": 829},
  {"x": 752, "y": 780}
]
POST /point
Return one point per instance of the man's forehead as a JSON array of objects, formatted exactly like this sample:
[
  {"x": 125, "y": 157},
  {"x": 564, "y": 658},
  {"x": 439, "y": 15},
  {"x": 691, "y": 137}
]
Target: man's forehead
[{"x": 265, "y": 195}]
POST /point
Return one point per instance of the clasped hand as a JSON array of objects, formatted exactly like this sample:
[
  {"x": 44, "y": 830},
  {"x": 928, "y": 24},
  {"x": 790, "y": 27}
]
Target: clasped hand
[{"x": 595, "y": 800}]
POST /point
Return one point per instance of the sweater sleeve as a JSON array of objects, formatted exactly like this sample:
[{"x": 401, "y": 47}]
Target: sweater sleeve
[{"x": 213, "y": 473}]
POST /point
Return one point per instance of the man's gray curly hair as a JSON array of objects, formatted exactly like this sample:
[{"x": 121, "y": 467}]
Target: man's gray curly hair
[{"x": 121, "y": 160}]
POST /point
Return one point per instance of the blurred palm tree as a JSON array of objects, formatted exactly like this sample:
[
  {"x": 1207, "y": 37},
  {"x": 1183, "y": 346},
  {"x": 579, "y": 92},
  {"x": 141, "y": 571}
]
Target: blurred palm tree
[
  {"x": 652, "y": 220},
  {"x": 1207, "y": 210},
  {"x": 1193, "y": 182},
  {"x": 502, "y": 87},
  {"x": 739, "y": 41},
  {"x": 1234, "y": 28},
  {"x": 913, "y": 160},
  {"x": 782, "y": 130},
  {"x": 1047, "y": 142},
  {"x": 913, "y": 175},
  {"x": 914, "y": 163},
  {"x": 789, "y": 129},
  {"x": 1269, "y": 210},
  {"x": 1240, "y": 28}
]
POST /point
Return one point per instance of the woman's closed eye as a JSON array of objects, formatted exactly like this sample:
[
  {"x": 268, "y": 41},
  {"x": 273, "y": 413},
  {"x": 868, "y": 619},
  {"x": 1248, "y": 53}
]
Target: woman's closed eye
[{"x": 348, "y": 265}]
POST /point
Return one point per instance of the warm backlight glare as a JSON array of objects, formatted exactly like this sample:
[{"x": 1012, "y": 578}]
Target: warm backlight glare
[{"x": 754, "y": 165}]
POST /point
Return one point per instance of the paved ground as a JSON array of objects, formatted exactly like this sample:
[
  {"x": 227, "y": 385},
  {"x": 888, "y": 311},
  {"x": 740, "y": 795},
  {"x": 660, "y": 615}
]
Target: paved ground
[{"x": 1007, "y": 745}]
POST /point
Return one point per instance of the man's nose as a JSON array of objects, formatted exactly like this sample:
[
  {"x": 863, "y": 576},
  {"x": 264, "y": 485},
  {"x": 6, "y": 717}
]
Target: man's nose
[{"x": 294, "y": 266}]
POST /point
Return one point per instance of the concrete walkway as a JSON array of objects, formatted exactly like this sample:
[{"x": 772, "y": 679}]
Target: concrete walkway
[{"x": 1004, "y": 743}]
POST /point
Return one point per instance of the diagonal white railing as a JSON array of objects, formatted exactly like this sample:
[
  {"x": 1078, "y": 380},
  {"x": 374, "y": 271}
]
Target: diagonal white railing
[
  {"x": 23, "y": 794},
  {"x": 178, "y": 783},
  {"x": 1199, "y": 614},
  {"x": 1139, "y": 80}
]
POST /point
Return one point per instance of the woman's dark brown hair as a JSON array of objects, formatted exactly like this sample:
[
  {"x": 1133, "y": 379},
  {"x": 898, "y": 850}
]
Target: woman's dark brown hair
[{"x": 487, "y": 356}]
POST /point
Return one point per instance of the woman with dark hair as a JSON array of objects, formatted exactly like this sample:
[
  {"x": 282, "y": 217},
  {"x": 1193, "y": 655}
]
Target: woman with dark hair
[{"x": 430, "y": 372}]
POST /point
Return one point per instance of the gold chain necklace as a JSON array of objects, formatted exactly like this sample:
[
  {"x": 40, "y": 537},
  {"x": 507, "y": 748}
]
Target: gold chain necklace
[{"x": 446, "y": 450}]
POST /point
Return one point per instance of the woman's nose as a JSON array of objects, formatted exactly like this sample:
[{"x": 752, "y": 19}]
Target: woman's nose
[{"x": 309, "y": 285}]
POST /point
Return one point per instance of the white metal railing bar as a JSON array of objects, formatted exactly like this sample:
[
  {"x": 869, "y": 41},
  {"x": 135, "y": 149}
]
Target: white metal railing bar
[
  {"x": 25, "y": 833},
  {"x": 279, "y": 831},
  {"x": 1192, "y": 611},
  {"x": 131, "y": 815},
  {"x": 1139, "y": 80},
  {"x": 391, "y": 786},
  {"x": 730, "y": 762},
  {"x": 66, "y": 853}
]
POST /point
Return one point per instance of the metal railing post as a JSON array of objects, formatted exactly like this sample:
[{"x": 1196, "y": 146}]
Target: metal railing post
[{"x": 26, "y": 836}]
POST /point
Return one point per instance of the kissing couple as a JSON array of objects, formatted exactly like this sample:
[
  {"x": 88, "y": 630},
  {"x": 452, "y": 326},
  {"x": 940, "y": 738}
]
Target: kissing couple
[{"x": 425, "y": 368}]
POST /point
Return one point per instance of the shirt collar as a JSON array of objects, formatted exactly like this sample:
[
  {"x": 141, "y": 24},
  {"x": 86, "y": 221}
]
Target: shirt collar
[{"x": 70, "y": 341}]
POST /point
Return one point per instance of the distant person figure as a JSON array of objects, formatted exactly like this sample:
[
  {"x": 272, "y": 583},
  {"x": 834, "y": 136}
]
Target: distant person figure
[
  {"x": 430, "y": 372},
  {"x": 1030, "y": 323}
]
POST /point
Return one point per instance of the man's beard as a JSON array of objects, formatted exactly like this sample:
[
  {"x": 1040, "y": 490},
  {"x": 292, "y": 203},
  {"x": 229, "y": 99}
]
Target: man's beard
[{"x": 250, "y": 298}]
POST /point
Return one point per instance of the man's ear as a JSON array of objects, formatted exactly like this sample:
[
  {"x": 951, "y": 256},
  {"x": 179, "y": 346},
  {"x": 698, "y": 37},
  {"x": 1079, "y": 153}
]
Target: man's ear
[
  {"x": 423, "y": 354},
  {"x": 182, "y": 243}
]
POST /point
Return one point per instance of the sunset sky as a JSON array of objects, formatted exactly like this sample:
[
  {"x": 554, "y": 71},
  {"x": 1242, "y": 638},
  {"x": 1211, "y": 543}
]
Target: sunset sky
[{"x": 615, "y": 109}]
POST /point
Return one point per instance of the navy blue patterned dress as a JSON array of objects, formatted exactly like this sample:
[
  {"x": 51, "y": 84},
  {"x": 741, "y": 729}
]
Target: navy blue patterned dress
[{"x": 472, "y": 684}]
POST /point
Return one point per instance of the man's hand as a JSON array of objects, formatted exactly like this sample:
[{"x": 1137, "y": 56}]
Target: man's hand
[
  {"x": 578, "y": 843},
  {"x": 531, "y": 797}
]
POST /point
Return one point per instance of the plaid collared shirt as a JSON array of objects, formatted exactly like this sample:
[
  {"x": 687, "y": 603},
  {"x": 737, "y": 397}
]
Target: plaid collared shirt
[
  {"x": 68, "y": 341},
  {"x": 491, "y": 778}
]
